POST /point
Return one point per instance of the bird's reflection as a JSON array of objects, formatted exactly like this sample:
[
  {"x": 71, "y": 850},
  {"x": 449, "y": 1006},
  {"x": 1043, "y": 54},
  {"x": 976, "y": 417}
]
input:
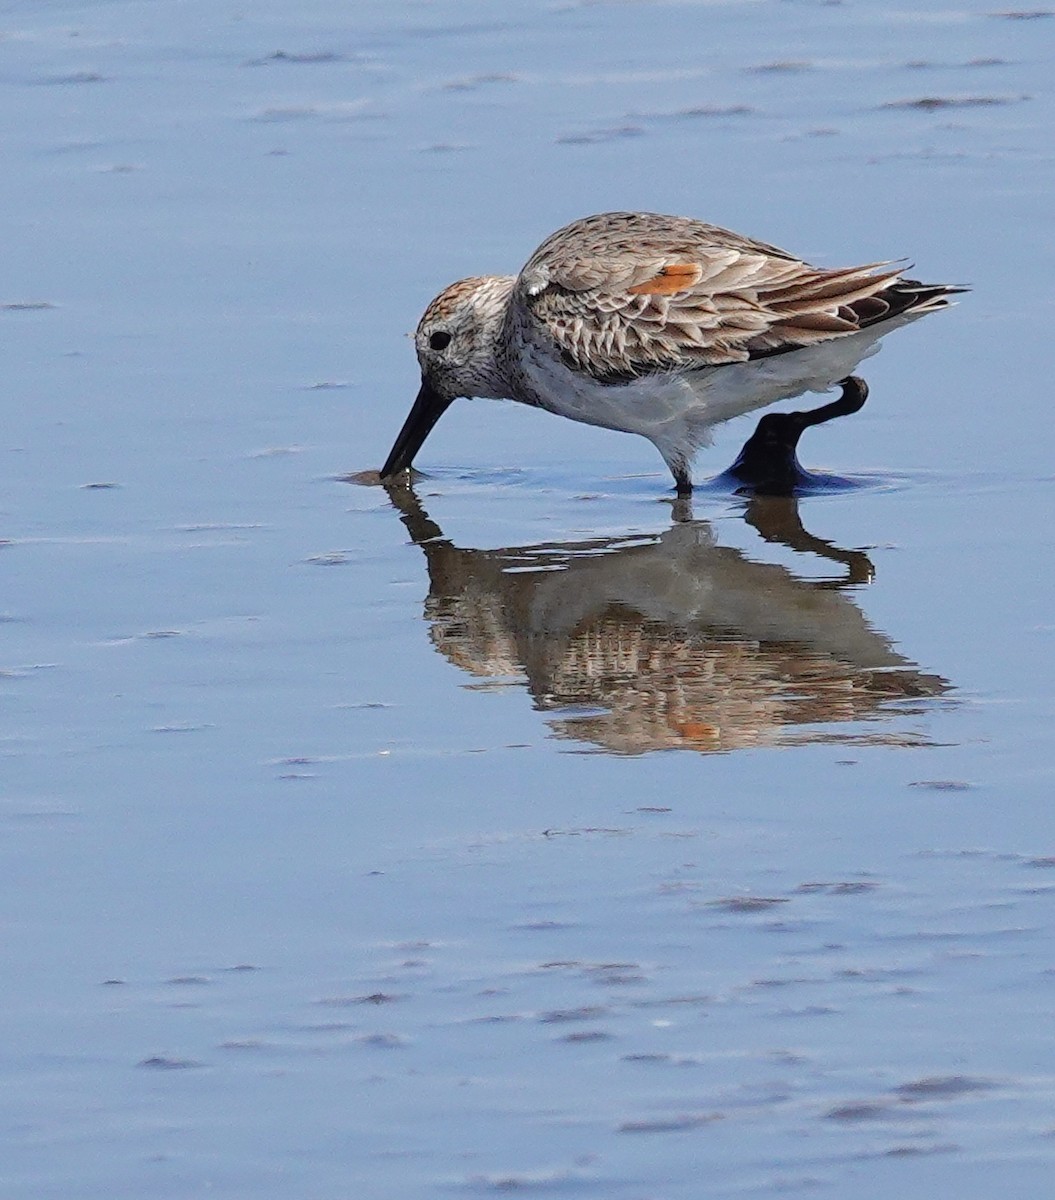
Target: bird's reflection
[{"x": 670, "y": 641}]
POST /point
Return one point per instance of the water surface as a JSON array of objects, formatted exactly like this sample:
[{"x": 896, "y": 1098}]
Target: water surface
[{"x": 520, "y": 831}]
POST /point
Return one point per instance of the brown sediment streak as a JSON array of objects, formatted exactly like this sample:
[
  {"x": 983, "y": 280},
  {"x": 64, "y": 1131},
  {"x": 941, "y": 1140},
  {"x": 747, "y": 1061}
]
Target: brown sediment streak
[{"x": 677, "y": 277}]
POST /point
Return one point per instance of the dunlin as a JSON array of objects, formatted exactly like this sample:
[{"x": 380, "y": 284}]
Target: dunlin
[{"x": 657, "y": 325}]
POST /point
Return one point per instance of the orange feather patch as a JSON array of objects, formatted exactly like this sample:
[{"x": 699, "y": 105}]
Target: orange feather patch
[{"x": 677, "y": 277}]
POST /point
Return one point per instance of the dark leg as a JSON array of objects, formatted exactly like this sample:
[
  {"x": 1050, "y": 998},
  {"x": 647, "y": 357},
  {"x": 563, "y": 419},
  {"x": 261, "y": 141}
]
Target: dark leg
[
  {"x": 682, "y": 481},
  {"x": 855, "y": 393},
  {"x": 768, "y": 464}
]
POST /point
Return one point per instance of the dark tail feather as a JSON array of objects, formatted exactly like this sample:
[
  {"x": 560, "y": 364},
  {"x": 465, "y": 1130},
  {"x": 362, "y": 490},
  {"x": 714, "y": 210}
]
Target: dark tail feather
[
  {"x": 903, "y": 297},
  {"x": 911, "y": 296}
]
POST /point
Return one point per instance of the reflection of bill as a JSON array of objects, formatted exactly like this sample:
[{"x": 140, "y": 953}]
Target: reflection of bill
[{"x": 673, "y": 640}]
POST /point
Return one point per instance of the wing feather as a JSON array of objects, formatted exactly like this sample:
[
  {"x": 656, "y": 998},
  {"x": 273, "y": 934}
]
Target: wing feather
[{"x": 626, "y": 294}]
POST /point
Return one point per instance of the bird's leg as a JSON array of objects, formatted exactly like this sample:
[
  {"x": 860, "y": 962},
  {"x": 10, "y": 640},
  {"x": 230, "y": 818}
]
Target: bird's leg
[
  {"x": 767, "y": 464},
  {"x": 855, "y": 393},
  {"x": 682, "y": 481}
]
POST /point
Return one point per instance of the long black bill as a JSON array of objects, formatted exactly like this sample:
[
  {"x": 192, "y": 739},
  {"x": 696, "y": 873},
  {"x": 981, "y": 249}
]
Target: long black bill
[{"x": 427, "y": 410}]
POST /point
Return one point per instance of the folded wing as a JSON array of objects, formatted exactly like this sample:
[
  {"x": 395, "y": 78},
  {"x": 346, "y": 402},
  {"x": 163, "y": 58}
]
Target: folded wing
[{"x": 624, "y": 295}]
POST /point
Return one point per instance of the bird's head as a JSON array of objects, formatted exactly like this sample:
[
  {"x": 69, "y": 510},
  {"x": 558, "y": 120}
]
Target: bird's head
[{"x": 457, "y": 347}]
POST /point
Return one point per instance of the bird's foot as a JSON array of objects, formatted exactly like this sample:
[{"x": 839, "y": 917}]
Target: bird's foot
[{"x": 768, "y": 464}]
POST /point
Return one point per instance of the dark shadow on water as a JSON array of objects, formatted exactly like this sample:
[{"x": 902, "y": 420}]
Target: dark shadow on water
[{"x": 672, "y": 640}]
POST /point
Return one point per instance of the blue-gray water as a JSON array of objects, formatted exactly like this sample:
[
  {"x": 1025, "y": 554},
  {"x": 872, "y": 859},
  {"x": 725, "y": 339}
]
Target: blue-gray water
[{"x": 513, "y": 836}]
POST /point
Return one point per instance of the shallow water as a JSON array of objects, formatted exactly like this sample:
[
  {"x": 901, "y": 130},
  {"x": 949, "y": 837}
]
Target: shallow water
[{"x": 522, "y": 830}]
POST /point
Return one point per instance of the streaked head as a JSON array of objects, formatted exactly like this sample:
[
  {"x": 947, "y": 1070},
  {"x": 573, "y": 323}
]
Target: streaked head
[{"x": 456, "y": 344}]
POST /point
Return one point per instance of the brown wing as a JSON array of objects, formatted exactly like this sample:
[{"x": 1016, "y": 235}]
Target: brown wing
[{"x": 625, "y": 294}]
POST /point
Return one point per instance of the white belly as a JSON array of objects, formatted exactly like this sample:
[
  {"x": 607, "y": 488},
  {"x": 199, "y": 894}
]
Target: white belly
[{"x": 676, "y": 411}]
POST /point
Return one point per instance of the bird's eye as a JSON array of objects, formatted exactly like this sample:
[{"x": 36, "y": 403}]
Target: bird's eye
[{"x": 440, "y": 341}]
